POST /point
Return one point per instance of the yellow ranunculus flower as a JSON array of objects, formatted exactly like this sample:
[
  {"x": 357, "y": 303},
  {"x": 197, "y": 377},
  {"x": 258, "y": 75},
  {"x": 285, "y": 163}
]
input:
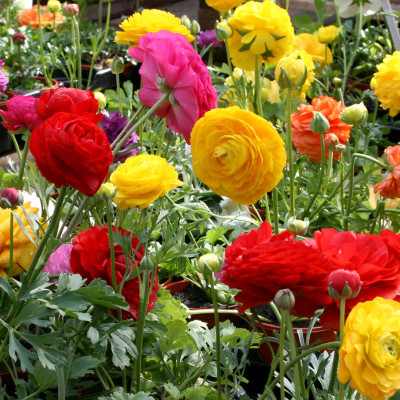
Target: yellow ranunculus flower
[
  {"x": 296, "y": 72},
  {"x": 386, "y": 83},
  {"x": 237, "y": 154},
  {"x": 370, "y": 354},
  {"x": 326, "y": 34},
  {"x": 23, "y": 248},
  {"x": 138, "y": 24},
  {"x": 54, "y": 6},
  {"x": 262, "y": 29},
  {"x": 311, "y": 44},
  {"x": 142, "y": 179},
  {"x": 223, "y": 5}
]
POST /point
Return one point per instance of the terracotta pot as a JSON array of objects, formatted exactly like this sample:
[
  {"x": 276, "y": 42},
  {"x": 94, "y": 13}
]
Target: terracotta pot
[
  {"x": 319, "y": 334},
  {"x": 12, "y": 92},
  {"x": 208, "y": 315}
]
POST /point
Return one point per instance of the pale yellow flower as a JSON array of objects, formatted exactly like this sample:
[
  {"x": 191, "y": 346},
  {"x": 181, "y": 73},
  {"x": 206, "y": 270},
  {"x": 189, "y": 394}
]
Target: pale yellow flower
[{"x": 327, "y": 34}]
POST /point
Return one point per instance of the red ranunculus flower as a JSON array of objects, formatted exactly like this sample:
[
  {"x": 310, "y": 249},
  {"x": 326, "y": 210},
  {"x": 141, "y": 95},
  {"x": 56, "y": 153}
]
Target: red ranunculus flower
[
  {"x": 79, "y": 102},
  {"x": 375, "y": 258},
  {"x": 72, "y": 151},
  {"x": 260, "y": 264},
  {"x": 91, "y": 258}
]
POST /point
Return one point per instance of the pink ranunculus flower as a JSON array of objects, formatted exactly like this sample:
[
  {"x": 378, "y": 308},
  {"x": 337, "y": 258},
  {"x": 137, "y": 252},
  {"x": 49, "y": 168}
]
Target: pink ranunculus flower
[
  {"x": 171, "y": 65},
  {"x": 59, "y": 260},
  {"x": 3, "y": 79},
  {"x": 21, "y": 113}
]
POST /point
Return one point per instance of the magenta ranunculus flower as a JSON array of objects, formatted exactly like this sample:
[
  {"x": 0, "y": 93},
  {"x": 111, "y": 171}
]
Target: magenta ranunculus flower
[
  {"x": 21, "y": 113},
  {"x": 3, "y": 79},
  {"x": 59, "y": 260},
  {"x": 171, "y": 65},
  {"x": 205, "y": 38}
]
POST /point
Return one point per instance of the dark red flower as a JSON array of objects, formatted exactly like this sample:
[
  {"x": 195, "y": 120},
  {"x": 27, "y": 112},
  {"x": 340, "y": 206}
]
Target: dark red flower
[
  {"x": 79, "y": 102},
  {"x": 344, "y": 283},
  {"x": 91, "y": 258},
  {"x": 18, "y": 38},
  {"x": 260, "y": 264},
  {"x": 72, "y": 151}
]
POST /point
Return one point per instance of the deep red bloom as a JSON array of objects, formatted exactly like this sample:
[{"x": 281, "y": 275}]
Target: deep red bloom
[
  {"x": 79, "y": 102},
  {"x": 344, "y": 283},
  {"x": 18, "y": 38},
  {"x": 72, "y": 151},
  {"x": 260, "y": 264},
  {"x": 390, "y": 186},
  {"x": 91, "y": 258}
]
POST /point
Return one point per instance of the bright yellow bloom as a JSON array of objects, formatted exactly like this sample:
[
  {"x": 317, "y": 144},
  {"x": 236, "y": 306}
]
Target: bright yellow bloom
[
  {"x": 138, "y": 24},
  {"x": 54, "y": 6},
  {"x": 107, "y": 191},
  {"x": 370, "y": 354},
  {"x": 23, "y": 248},
  {"x": 262, "y": 29},
  {"x": 311, "y": 44},
  {"x": 326, "y": 34},
  {"x": 386, "y": 83},
  {"x": 142, "y": 179},
  {"x": 224, "y": 5},
  {"x": 237, "y": 154}
]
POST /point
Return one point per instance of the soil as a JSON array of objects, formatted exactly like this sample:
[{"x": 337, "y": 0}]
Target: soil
[{"x": 193, "y": 297}]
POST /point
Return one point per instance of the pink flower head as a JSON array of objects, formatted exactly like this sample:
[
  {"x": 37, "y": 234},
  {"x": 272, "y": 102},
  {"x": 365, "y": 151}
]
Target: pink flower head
[
  {"x": 21, "y": 113},
  {"x": 59, "y": 260},
  {"x": 171, "y": 65},
  {"x": 3, "y": 79},
  {"x": 71, "y": 9}
]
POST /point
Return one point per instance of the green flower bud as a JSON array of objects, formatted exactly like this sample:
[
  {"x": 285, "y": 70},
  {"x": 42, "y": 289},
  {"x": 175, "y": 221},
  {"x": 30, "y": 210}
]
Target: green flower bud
[
  {"x": 186, "y": 21},
  {"x": 337, "y": 81},
  {"x": 117, "y": 66},
  {"x": 290, "y": 73},
  {"x": 194, "y": 28},
  {"x": 284, "y": 299},
  {"x": 340, "y": 148},
  {"x": 319, "y": 123},
  {"x": 107, "y": 191},
  {"x": 208, "y": 262},
  {"x": 356, "y": 114},
  {"x": 297, "y": 226},
  {"x": 223, "y": 30}
]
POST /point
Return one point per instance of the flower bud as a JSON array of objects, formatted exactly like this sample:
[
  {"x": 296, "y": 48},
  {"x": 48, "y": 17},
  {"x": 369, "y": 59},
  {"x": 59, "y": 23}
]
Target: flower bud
[
  {"x": 326, "y": 34},
  {"x": 319, "y": 123},
  {"x": 194, "y": 28},
  {"x": 337, "y": 81},
  {"x": 71, "y": 9},
  {"x": 10, "y": 197},
  {"x": 290, "y": 73},
  {"x": 340, "y": 148},
  {"x": 101, "y": 99},
  {"x": 356, "y": 114},
  {"x": 344, "y": 283},
  {"x": 117, "y": 66},
  {"x": 208, "y": 262},
  {"x": 223, "y": 30},
  {"x": 107, "y": 191},
  {"x": 297, "y": 226},
  {"x": 18, "y": 38},
  {"x": 53, "y": 6},
  {"x": 186, "y": 21},
  {"x": 284, "y": 299}
]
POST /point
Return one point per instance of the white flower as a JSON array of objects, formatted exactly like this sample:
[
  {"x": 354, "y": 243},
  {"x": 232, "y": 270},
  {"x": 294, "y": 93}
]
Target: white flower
[{"x": 349, "y": 8}]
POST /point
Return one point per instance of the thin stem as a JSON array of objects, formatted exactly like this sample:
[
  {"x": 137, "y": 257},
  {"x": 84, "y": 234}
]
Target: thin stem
[
  {"x": 119, "y": 93},
  {"x": 23, "y": 159},
  {"x": 77, "y": 215},
  {"x": 41, "y": 51},
  {"x": 281, "y": 359},
  {"x": 11, "y": 261},
  {"x": 342, "y": 318},
  {"x": 257, "y": 89},
  {"x": 78, "y": 50},
  {"x": 290, "y": 152}
]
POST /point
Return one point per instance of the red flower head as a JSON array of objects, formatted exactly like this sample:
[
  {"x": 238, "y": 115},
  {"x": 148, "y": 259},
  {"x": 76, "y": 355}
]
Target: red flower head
[
  {"x": 91, "y": 258},
  {"x": 71, "y": 9},
  {"x": 373, "y": 257},
  {"x": 390, "y": 186},
  {"x": 72, "y": 151},
  {"x": 309, "y": 143},
  {"x": 21, "y": 113},
  {"x": 18, "y": 38},
  {"x": 260, "y": 264},
  {"x": 79, "y": 102},
  {"x": 171, "y": 65}
]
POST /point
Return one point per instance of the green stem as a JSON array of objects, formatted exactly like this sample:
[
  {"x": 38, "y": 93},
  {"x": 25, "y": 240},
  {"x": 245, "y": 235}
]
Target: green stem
[
  {"x": 41, "y": 50},
  {"x": 329, "y": 169},
  {"x": 23, "y": 159},
  {"x": 357, "y": 138},
  {"x": 112, "y": 250},
  {"x": 78, "y": 50},
  {"x": 342, "y": 318},
  {"x": 11, "y": 261},
  {"x": 257, "y": 90},
  {"x": 77, "y": 215},
  {"x": 119, "y": 93},
  {"x": 267, "y": 211},
  {"x": 289, "y": 147},
  {"x": 281, "y": 359}
]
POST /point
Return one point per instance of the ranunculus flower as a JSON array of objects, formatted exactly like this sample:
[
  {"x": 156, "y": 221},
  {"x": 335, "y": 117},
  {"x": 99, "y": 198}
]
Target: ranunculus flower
[
  {"x": 349, "y": 8},
  {"x": 309, "y": 143},
  {"x": 207, "y": 38},
  {"x": 139, "y": 24},
  {"x": 310, "y": 44},
  {"x": 237, "y": 154},
  {"x": 91, "y": 258},
  {"x": 59, "y": 260},
  {"x": 390, "y": 186},
  {"x": 223, "y": 5},
  {"x": 327, "y": 34},
  {"x": 370, "y": 354},
  {"x": 386, "y": 83},
  {"x": 71, "y": 151},
  {"x": 23, "y": 248},
  {"x": 3, "y": 79},
  {"x": 21, "y": 113},
  {"x": 79, "y": 102},
  {"x": 377, "y": 264},
  {"x": 142, "y": 179},
  {"x": 262, "y": 29},
  {"x": 344, "y": 283},
  {"x": 30, "y": 17},
  {"x": 260, "y": 264},
  {"x": 171, "y": 65}
]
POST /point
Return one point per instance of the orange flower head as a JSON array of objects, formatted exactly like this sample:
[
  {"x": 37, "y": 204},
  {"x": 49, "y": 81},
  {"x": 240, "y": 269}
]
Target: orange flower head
[
  {"x": 390, "y": 186},
  {"x": 309, "y": 143},
  {"x": 31, "y": 17}
]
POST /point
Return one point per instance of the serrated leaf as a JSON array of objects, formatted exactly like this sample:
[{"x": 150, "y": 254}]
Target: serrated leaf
[
  {"x": 82, "y": 366},
  {"x": 121, "y": 344},
  {"x": 69, "y": 282},
  {"x": 172, "y": 390},
  {"x": 19, "y": 352},
  {"x": 5, "y": 286},
  {"x": 128, "y": 396},
  {"x": 71, "y": 301},
  {"x": 33, "y": 313},
  {"x": 45, "y": 377}
]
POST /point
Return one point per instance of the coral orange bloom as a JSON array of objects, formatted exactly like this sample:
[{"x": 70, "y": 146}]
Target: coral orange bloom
[
  {"x": 309, "y": 143},
  {"x": 31, "y": 17},
  {"x": 390, "y": 186}
]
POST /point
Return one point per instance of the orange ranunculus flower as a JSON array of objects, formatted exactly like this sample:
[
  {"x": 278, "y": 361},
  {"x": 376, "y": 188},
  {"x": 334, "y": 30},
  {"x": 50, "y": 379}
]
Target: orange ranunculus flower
[
  {"x": 309, "y": 143},
  {"x": 390, "y": 186},
  {"x": 311, "y": 44},
  {"x": 30, "y": 17}
]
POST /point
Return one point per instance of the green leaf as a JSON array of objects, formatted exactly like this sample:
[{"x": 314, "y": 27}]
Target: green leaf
[
  {"x": 17, "y": 351},
  {"x": 172, "y": 390},
  {"x": 171, "y": 307},
  {"x": 128, "y": 396},
  {"x": 45, "y": 378},
  {"x": 69, "y": 282},
  {"x": 214, "y": 234},
  {"x": 82, "y": 366},
  {"x": 121, "y": 342},
  {"x": 71, "y": 301},
  {"x": 5, "y": 286},
  {"x": 33, "y": 313},
  {"x": 93, "y": 335}
]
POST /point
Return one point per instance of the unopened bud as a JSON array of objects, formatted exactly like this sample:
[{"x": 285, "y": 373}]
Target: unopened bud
[
  {"x": 18, "y": 38},
  {"x": 297, "y": 226},
  {"x": 10, "y": 198},
  {"x": 340, "y": 148},
  {"x": 284, "y": 299},
  {"x": 290, "y": 73},
  {"x": 319, "y": 123},
  {"x": 107, "y": 191},
  {"x": 194, "y": 28},
  {"x": 185, "y": 20},
  {"x": 343, "y": 283},
  {"x": 54, "y": 6},
  {"x": 223, "y": 30},
  {"x": 356, "y": 114},
  {"x": 208, "y": 262},
  {"x": 71, "y": 9},
  {"x": 117, "y": 66},
  {"x": 337, "y": 81},
  {"x": 101, "y": 99}
]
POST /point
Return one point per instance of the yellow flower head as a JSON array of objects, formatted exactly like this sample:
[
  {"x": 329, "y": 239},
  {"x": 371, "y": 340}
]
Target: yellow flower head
[
  {"x": 224, "y": 5},
  {"x": 237, "y": 154},
  {"x": 386, "y": 83},
  {"x": 326, "y": 34},
  {"x": 54, "y": 6},
  {"x": 370, "y": 354},
  {"x": 311, "y": 44},
  {"x": 138, "y": 24},
  {"x": 262, "y": 29},
  {"x": 142, "y": 179},
  {"x": 23, "y": 248}
]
